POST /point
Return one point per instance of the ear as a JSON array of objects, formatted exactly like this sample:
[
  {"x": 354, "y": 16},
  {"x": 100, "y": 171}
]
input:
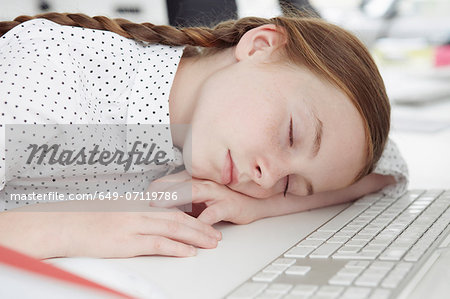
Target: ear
[{"x": 260, "y": 42}]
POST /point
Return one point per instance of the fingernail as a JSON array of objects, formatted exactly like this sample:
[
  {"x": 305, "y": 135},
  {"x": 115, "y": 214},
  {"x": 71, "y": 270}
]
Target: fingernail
[{"x": 192, "y": 250}]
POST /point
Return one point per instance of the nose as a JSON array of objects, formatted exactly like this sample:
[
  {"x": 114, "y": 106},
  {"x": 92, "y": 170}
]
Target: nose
[{"x": 266, "y": 173}]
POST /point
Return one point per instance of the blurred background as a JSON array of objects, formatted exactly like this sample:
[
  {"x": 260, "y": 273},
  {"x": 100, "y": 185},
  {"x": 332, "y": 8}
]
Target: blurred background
[{"x": 409, "y": 39}]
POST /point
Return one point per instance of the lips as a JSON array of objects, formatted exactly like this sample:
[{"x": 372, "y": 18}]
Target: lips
[{"x": 229, "y": 171}]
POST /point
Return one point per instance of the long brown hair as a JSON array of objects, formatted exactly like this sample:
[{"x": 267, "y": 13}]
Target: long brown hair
[{"x": 324, "y": 48}]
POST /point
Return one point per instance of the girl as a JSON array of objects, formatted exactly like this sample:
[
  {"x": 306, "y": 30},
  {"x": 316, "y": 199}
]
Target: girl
[{"x": 284, "y": 115}]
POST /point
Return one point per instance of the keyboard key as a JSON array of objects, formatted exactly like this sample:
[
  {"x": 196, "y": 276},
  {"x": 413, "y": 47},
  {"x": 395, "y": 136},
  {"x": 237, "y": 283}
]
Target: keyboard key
[
  {"x": 310, "y": 243},
  {"x": 356, "y": 292},
  {"x": 368, "y": 255},
  {"x": 281, "y": 288},
  {"x": 340, "y": 240},
  {"x": 298, "y": 252},
  {"x": 350, "y": 230},
  {"x": 392, "y": 254},
  {"x": 376, "y": 248},
  {"x": 368, "y": 199},
  {"x": 380, "y": 241},
  {"x": 414, "y": 255},
  {"x": 391, "y": 281},
  {"x": 265, "y": 276},
  {"x": 269, "y": 295},
  {"x": 342, "y": 218},
  {"x": 345, "y": 249},
  {"x": 359, "y": 236},
  {"x": 325, "y": 250},
  {"x": 376, "y": 272},
  {"x": 368, "y": 281},
  {"x": 380, "y": 294},
  {"x": 284, "y": 261},
  {"x": 275, "y": 268},
  {"x": 382, "y": 265},
  {"x": 359, "y": 243},
  {"x": 343, "y": 234},
  {"x": 403, "y": 265},
  {"x": 357, "y": 264},
  {"x": 320, "y": 235},
  {"x": 293, "y": 296},
  {"x": 248, "y": 290},
  {"x": 331, "y": 291},
  {"x": 350, "y": 271},
  {"x": 341, "y": 280},
  {"x": 298, "y": 270},
  {"x": 304, "y": 289}
]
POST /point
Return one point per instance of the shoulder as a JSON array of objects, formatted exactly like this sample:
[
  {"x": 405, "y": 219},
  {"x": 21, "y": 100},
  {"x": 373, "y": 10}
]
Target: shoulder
[
  {"x": 45, "y": 30},
  {"x": 30, "y": 27},
  {"x": 393, "y": 163}
]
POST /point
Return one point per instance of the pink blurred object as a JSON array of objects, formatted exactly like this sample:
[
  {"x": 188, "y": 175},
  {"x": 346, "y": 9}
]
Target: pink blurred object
[{"x": 442, "y": 56}]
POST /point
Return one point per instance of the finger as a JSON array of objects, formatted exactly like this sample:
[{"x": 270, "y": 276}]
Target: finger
[
  {"x": 190, "y": 221},
  {"x": 177, "y": 231},
  {"x": 215, "y": 213},
  {"x": 157, "y": 245},
  {"x": 180, "y": 194},
  {"x": 178, "y": 177},
  {"x": 194, "y": 191},
  {"x": 159, "y": 188}
]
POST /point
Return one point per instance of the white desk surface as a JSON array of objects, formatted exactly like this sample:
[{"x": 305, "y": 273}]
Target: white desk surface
[{"x": 245, "y": 249}]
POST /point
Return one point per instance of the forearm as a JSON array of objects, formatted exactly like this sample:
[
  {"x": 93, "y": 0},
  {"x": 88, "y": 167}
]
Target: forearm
[{"x": 32, "y": 233}]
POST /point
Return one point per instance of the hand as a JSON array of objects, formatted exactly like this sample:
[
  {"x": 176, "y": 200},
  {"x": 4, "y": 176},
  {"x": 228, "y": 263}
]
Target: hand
[
  {"x": 210, "y": 201},
  {"x": 221, "y": 203},
  {"x": 44, "y": 234}
]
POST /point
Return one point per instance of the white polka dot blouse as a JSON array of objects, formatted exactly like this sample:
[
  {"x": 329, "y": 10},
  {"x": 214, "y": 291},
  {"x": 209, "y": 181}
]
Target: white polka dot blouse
[{"x": 54, "y": 74}]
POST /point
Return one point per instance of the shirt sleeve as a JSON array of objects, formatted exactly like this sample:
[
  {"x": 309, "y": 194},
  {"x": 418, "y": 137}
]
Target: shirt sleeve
[
  {"x": 2, "y": 157},
  {"x": 392, "y": 163},
  {"x": 2, "y": 167}
]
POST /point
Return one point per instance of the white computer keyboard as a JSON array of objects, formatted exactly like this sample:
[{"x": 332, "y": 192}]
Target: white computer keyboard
[{"x": 369, "y": 250}]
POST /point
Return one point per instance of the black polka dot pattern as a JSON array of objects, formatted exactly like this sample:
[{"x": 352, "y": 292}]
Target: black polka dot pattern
[
  {"x": 392, "y": 163},
  {"x": 54, "y": 74}
]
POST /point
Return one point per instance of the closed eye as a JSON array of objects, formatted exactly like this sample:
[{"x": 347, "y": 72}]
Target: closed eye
[
  {"x": 291, "y": 142},
  {"x": 291, "y": 135},
  {"x": 287, "y": 186}
]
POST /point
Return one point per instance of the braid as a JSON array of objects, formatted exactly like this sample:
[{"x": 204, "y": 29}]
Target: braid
[{"x": 224, "y": 35}]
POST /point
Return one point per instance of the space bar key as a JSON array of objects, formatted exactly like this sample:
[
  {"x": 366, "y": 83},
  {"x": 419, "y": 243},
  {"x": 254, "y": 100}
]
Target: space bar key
[{"x": 342, "y": 218}]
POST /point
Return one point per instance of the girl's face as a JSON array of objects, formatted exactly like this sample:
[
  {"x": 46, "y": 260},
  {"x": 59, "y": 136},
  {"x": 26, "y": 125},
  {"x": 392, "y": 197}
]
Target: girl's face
[
  {"x": 280, "y": 126},
  {"x": 249, "y": 111}
]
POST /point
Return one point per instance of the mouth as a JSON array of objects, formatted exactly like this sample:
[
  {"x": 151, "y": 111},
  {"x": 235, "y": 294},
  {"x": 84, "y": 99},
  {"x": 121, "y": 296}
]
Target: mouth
[{"x": 229, "y": 171}]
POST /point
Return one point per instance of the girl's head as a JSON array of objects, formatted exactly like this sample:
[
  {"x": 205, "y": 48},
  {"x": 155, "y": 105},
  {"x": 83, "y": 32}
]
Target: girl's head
[
  {"x": 284, "y": 73},
  {"x": 244, "y": 84}
]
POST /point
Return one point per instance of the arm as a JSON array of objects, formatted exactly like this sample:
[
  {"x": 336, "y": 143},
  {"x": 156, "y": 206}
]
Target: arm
[
  {"x": 250, "y": 209},
  {"x": 213, "y": 202},
  {"x": 279, "y": 205},
  {"x": 46, "y": 230}
]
